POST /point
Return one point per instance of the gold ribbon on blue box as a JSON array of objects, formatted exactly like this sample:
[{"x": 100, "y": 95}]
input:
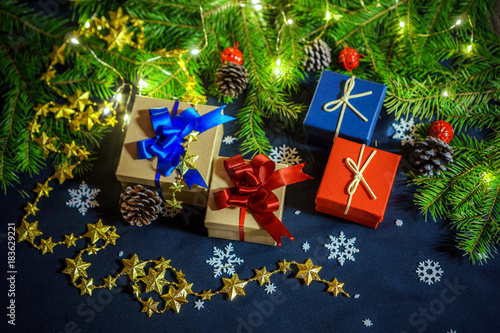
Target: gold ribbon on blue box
[{"x": 170, "y": 132}]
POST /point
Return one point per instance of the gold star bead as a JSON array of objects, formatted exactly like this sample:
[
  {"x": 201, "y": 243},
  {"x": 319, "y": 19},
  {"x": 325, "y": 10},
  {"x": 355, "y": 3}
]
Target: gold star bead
[
  {"x": 65, "y": 171},
  {"x": 76, "y": 268},
  {"x": 28, "y": 231},
  {"x": 62, "y": 111},
  {"x": 96, "y": 231},
  {"x": 154, "y": 281},
  {"x": 308, "y": 272},
  {"x": 180, "y": 276},
  {"x": 234, "y": 286},
  {"x": 112, "y": 236},
  {"x": 33, "y": 127},
  {"x": 185, "y": 288},
  {"x": 136, "y": 290},
  {"x": 174, "y": 299},
  {"x": 188, "y": 161},
  {"x": 193, "y": 136},
  {"x": 134, "y": 267},
  {"x": 86, "y": 286},
  {"x": 31, "y": 209},
  {"x": 42, "y": 109},
  {"x": 262, "y": 275},
  {"x": 57, "y": 54},
  {"x": 46, "y": 245},
  {"x": 150, "y": 307},
  {"x": 284, "y": 266},
  {"x": 83, "y": 154},
  {"x": 79, "y": 100},
  {"x": 48, "y": 75},
  {"x": 335, "y": 287},
  {"x": 70, "y": 240},
  {"x": 46, "y": 143},
  {"x": 176, "y": 186},
  {"x": 111, "y": 121},
  {"x": 92, "y": 249},
  {"x": 43, "y": 189},
  {"x": 71, "y": 149},
  {"x": 206, "y": 294},
  {"x": 110, "y": 282},
  {"x": 162, "y": 264}
]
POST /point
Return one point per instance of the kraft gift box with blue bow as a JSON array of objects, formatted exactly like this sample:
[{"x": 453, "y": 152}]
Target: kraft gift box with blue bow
[
  {"x": 345, "y": 105},
  {"x": 153, "y": 146}
]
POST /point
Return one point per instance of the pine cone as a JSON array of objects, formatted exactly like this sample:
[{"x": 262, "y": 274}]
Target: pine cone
[
  {"x": 318, "y": 56},
  {"x": 231, "y": 79},
  {"x": 432, "y": 155},
  {"x": 139, "y": 205}
]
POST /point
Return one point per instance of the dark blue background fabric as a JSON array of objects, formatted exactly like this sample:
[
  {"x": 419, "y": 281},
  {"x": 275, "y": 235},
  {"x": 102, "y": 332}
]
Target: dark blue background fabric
[{"x": 383, "y": 273}]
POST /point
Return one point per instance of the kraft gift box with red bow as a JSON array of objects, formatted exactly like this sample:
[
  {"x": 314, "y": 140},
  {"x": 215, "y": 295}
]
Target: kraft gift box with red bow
[
  {"x": 343, "y": 106},
  {"x": 357, "y": 182},
  {"x": 246, "y": 199},
  {"x": 154, "y": 143}
]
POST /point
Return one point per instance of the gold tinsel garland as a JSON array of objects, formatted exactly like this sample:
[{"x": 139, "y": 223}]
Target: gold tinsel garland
[{"x": 135, "y": 268}]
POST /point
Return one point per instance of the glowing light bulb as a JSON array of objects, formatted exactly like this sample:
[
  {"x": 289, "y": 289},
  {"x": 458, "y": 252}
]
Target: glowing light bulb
[
  {"x": 74, "y": 41},
  {"x": 118, "y": 97},
  {"x": 327, "y": 16},
  {"x": 195, "y": 52},
  {"x": 87, "y": 24},
  {"x": 278, "y": 62},
  {"x": 402, "y": 24},
  {"x": 277, "y": 71},
  {"x": 106, "y": 111},
  {"x": 290, "y": 21},
  {"x": 99, "y": 27},
  {"x": 458, "y": 22},
  {"x": 469, "y": 48},
  {"x": 143, "y": 83},
  {"x": 258, "y": 7},
  {"x": 445, "y": 93},
  {"x": 125, "y": 117},
  {"x": 255, "y": 1}
]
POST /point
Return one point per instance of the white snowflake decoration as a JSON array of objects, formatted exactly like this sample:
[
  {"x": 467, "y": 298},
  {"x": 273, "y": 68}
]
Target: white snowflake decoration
[
  {"x": 168, "y": 211},
  {"x": 228, "y": 139},
  {"x": 356, "y": 296},
  {"x": 429, "y": 271},
  {"x": 398, "y": 222},
  {"x": 198, "y": 305},
  {"x": 346, "y": 244},
  {"x": 224, "y": 262},
  {"x": 83, "y": 198},
  {"x": 270, "y": 288},
  {"x": 285, "y": 155},
  {"x": 405, "y": 131},
  {"x": 367, "y": 322},
  {"x": 451, "y": 331},
  {"x": 306, "y": 246}
]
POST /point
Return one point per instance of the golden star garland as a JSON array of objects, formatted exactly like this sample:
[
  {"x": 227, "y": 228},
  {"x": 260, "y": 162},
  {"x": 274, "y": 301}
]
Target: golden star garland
[{"x": 154, "y": 280}]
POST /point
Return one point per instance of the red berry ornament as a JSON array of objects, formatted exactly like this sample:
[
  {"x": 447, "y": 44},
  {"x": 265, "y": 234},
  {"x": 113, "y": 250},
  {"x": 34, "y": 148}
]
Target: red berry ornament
[
  {"x": 442, "y": 130},
  {"x": 349, "y": 58},
  {"x": 232, "y": 54}
]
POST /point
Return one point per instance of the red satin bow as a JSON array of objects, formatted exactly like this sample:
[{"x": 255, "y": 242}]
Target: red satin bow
[{"x": 254, "y": 184}]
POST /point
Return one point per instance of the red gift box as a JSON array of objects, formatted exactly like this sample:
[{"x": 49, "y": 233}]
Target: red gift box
[{"x": 357, "y": 189}]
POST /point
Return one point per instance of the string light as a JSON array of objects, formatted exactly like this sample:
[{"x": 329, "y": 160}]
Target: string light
[
  {"x": 106, "y": 111},
  {"x": 99, "y": 27},
  {"x": 87, "y": 24},
  {"x": 195, "y": 52},
  {"x": 277, "y": 71},
  {"x": 278, "y": 62},
  {"x": 118, "y": 97},
  {"x": 469, "y": 48},
  {"x": 290, "y": 21},
  {"x": 402, "y": 24},
  {"x": 126, "y": 118},
  {"x": 74, "y": 41},
  {"x": 458, "y": 22},
  {"x": 258, "y": 7},
  {"x": 445, "y": 93},
  {"x": 255, "y": 1},
  {"x": 327, "y": 16},
  {"x": 142, "y": 83}
]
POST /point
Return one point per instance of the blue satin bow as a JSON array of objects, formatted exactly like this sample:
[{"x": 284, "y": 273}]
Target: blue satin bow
[{"x": 170, "y": 132}]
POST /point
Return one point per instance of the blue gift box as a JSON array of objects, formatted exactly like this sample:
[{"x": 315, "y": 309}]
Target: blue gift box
[{"x": 320, "y": 125}]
